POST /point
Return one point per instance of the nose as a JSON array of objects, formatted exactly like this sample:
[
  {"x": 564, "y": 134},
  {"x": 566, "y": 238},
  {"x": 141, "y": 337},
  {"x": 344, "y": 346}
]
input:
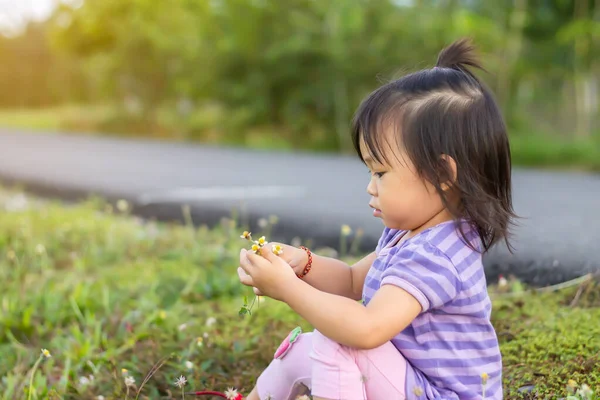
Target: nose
[{"x": 371, "y": 188}]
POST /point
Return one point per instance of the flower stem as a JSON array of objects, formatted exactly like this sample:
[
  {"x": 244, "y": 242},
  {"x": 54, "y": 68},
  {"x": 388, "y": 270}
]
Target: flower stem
[{"x": 33, "y": 371}]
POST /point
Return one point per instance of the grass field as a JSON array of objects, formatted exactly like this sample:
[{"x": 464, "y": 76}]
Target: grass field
[
  {"x": 528, "y": 149},
  {"x": 106, "y": 292}
]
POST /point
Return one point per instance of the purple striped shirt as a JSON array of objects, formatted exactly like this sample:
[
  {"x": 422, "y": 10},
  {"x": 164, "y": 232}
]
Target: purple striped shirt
[{"x": 452, "y": 342}]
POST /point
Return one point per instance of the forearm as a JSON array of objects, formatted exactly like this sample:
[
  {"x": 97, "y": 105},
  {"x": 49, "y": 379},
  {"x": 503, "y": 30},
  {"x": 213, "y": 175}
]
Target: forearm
[
  {"x": 339, "y": 318},
  {"x": 332, "y": 276}
]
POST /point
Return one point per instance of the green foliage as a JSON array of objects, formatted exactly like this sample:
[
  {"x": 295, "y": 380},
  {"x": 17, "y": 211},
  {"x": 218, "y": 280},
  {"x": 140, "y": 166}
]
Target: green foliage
[{"x": 296, "y": 70}]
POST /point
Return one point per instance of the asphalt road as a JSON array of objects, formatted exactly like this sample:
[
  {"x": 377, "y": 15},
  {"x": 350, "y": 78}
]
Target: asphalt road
[{"x": 313, "y": 195}]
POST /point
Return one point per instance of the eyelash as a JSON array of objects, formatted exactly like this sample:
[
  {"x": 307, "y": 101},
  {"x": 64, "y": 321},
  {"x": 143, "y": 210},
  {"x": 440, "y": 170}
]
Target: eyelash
[{"x": 377, "y": 174}]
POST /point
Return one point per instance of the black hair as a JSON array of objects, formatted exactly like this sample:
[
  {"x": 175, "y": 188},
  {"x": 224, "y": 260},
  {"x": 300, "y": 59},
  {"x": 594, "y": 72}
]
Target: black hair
[{"x": 446, "y": 110}]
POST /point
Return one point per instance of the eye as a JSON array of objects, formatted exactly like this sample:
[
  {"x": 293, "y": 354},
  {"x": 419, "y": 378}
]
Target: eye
[{"x": 377, "y": 174}]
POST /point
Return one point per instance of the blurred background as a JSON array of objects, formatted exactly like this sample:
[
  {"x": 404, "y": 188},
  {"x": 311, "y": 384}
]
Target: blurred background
[{"x": 288, "y": 74}]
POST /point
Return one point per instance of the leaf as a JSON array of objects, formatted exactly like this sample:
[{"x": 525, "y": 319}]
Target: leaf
[{"x": 206, "y": 365}]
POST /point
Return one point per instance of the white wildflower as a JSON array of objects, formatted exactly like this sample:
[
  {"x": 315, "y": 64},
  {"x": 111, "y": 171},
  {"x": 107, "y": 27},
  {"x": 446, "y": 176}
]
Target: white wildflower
[
  {"x": 231, "y": 394},
  {"x": 211, "y": 321},
  {"x": 40, "y": 249},
  {"x": 129, "y": 381},
  {"x": 180, "y": 382},
  {"x": 84, "y": 380},
  {"x": 122, "y": 205}
]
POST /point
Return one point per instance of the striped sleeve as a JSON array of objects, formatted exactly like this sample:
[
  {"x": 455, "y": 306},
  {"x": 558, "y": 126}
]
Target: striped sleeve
[{"x": 424, "y": 272}]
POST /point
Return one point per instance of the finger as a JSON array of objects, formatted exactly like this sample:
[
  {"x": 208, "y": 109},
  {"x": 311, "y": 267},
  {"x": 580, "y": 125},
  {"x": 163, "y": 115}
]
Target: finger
[
  {"x": 245, "y": 263},
  {"x": 253, "y": 259},
  {"x": 245, "y": 278},
  {"x": 257, "y": 292},
  {"x": 267, "y": 252}
]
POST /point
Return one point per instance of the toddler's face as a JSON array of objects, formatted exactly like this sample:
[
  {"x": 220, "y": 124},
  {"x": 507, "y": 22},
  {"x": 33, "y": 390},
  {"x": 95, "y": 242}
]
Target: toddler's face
[{"x": 401, "y": 198}]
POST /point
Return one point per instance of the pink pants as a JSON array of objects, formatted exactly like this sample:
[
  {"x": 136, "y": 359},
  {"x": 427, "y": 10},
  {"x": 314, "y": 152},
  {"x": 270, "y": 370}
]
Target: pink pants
[{"x": 334, "y": 371}]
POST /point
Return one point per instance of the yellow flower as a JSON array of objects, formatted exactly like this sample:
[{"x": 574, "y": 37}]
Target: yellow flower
[
  {"x": 346, "y": 230},
  {"x": 255, "y": 248},
  {"x": 571, "y": 386},
  {"x": 277, "y": 249},
  {"x": 484, "y": 378},
  {"x": 124, "y": 372},
  {"x": 199, "y": 341},
  {"x": 246, "y": 235},
  {"x": 261, "y": 242},
  {"x": 162, "y": 314},
  {"x": 46, "y": 353},
  {"x": 572, "y": 383}
]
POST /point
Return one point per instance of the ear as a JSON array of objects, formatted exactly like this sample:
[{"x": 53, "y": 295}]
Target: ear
[{"x": 451, "y": 171}]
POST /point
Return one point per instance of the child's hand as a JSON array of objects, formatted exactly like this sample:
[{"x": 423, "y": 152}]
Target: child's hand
[
  {"x": 295, "y": 257},
  {"x": 267, "y": 272}
]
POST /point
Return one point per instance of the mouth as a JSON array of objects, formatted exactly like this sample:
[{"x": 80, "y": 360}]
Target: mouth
[{"x": 376, "y": 211}]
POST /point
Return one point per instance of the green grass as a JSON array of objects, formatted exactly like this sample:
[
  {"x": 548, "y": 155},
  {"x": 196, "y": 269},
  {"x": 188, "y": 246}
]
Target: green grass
[
  {"x": 103, "y": 290},
  {"x": 528, "y": 149},
  {"x": 62, "y": 118}
]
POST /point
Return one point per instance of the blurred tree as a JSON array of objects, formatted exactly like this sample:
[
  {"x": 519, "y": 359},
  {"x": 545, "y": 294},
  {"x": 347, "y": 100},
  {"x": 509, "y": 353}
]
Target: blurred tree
[{"x": 300, "y": 67}]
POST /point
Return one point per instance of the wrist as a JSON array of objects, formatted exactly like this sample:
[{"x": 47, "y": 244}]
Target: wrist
[{"x": 305, "y": 264}]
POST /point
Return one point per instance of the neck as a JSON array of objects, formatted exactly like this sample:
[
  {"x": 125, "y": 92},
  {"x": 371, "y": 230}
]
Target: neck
[{"x": 442, "y": 216}]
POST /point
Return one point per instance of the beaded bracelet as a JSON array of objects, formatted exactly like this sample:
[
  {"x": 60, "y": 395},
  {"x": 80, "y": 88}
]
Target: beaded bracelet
[{"x": 308, "y": 264}]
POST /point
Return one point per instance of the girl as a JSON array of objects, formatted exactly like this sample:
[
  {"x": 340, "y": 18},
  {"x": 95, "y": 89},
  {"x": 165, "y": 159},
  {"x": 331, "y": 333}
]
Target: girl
[{"x": 440, "y": 180}]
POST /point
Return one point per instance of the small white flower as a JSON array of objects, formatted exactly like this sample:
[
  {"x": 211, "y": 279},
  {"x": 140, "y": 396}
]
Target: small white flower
[
  {"x": 129, "y": 381},
  {"x": 40, "y": 249},
  {"x": 189, "y": 365},
  {"x": 205, "y": 335},
  {"x": 83, "y": 380},
  {"x": 585, "y": 392},
  {"x": 122, "y": 205},
  {"x": 502, "y": 282},
  {"x": 46, "y": 353},
  {"x": 231, "y": 394},
  {"x": 182, "y": 327},
  {"x": 262, "y": 223},
  {"x": 277, "y": 249},
  {"x": 180, "y": 382},
  {"x": 211, "y": 321},
  {"x": 100, "y": 397}
]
